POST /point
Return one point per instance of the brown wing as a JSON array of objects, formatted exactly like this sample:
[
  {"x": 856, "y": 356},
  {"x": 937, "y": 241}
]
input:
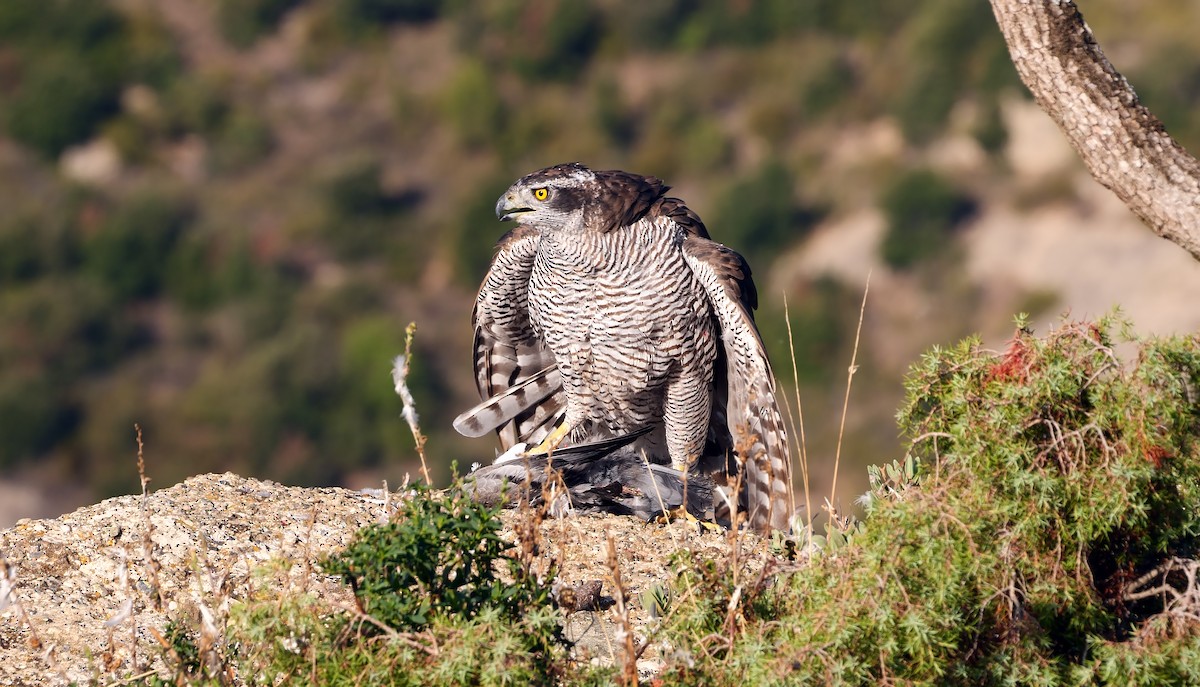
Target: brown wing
[
  {"x": 618, "y": 199},
  {"x": 751, "y": 412},
  {"x": 517, "y": 379}
]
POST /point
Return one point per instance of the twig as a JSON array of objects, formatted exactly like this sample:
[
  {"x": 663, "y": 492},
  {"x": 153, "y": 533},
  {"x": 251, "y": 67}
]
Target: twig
[
  {"x": 629, "y": 674},
  {"x": 803, "y": 444},
  {"x": 8, "y": 597},
  {"x": 136, "y": 678},
  {"x": 391, "y": 632},
  {"x": 148, "y": 559},
  {"x": 662, "y": 505},
  {"x": 837, "y": 458},
  {"x": 409, "y": 413}
]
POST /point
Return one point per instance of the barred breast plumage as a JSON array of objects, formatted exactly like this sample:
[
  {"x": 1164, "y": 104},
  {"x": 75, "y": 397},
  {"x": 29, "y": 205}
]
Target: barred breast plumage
[
  {"x": 631, "y": 330},
  {"x": 607, "y": 311}
]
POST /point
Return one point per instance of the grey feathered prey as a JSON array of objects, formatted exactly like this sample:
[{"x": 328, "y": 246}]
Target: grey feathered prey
[
  {"x": 606, "y": 476},
  {"x": 608, "y": 310}
]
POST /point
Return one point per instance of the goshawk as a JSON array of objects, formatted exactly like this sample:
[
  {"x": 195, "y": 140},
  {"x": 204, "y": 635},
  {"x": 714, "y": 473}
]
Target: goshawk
[{"x": 608, "y": 311}]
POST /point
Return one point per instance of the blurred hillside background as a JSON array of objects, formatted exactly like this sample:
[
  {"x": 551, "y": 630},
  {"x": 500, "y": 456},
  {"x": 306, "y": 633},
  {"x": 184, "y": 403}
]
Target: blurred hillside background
[{"x": 219, "y": 215}]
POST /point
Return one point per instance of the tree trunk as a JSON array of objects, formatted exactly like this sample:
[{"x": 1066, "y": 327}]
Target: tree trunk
[{"x": 1124, "y": 146}]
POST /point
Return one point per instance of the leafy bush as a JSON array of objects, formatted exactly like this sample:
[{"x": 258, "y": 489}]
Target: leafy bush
[
  {"x": 245, "y": 138},
  {"x": 545, "y": 39},
  {"x": 1048, "y": 488},
  {"x": 954, "y": 48},
  {"x": 129, "y": 254},
  {"x": 361, "y": 213},
  {"x": 473, "y": 106},
  {"x": 438, "y": 557},
  {"x": 67, "y": 65},
  {"x": 759, "y": 215},
  {"x": 440, "y": 614},
  {"x": 364, "y": 15},
  {"x": 361, "y": 428},
  {"x": 922, "y": 211},
  {"x": 823, "y": 315},
  {"x": 60, "y": 101},
  {"x": 39, "y": 242},
  {"x": 56, "y": 333},
  {"x": 243, "y": 21}
]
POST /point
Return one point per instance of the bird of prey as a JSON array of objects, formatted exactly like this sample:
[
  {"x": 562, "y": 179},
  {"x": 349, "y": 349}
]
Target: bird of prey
[{"x": 608, "y": 310}]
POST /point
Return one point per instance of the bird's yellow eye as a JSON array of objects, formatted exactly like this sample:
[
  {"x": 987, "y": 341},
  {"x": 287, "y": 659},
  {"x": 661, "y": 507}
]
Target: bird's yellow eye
[{"x": 541, "y": 193}]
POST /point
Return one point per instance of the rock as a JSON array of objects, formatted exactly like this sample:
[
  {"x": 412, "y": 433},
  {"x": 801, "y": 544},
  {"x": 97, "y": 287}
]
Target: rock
[
  {"x": 97, "y": 163},
  {"x": 207, "y": 535}
]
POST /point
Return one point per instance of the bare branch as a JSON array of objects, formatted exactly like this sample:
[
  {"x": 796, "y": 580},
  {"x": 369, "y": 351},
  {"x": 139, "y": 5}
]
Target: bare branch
[{"x": 1125, "y": 147}]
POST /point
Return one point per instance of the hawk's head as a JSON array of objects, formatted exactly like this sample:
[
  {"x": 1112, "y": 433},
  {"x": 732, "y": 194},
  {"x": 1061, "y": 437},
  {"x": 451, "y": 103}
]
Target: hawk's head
[{"x": 573, "y": 197}]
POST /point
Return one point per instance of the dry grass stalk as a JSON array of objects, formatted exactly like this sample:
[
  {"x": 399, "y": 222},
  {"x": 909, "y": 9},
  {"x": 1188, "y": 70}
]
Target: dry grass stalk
[
  {"x": 400, "y": 369},
  {"x": 629, "y": 653},
  {"x": 837, "y": 459},
  {"x": 148, "y": 560},
  {"x": 797, "y": 420},
  {"x": 8, "y": 597}
]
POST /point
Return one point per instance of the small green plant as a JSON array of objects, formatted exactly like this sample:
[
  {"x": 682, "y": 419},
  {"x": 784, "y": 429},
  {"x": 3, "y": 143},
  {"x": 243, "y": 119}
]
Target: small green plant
[
  {"x": 440, "y": 601},
  {"x": 437, "y": 557},
  {"x": 923, "y": 210},
  {"x": 892, "y": 478}
]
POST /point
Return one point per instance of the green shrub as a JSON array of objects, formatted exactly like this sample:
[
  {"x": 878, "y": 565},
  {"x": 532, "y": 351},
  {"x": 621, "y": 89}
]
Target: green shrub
[
  {"x": 66, "y": 64},
  {"x": 922, "y": 212},
  {"x": 540, "y": 40},
  {"x": 34, "y": 415},
  {"x": 1043, "y": 482},
  {"x": 60, "y": 102},
  {"x": 197, "y": 103},
  {"x": 204, "y": 270},
  {"x": 430, "y": 577},
  {"x": 361, "y": 215},
  {"x": 474, "y": 107},
  {"x": 129, "y": 253},
  {"x": 361, "y": 429},
  {"x": 823, "y": 315},
  {"x": 759, "y": 216},
  {"x": 358, "y": 16},
  {"x": 245, "y": 138},
  {"x": 954, "y": 48},
  {"x": 611, "y": 115},
  {"x": 57, "y": 332},
  {"x": 438, "y": 557},
  {"x": 243, "y": 21},
  {"x": 39, "y": 242}
]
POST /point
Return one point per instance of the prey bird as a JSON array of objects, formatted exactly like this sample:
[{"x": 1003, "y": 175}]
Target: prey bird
[{"x": 609, "y": 311}]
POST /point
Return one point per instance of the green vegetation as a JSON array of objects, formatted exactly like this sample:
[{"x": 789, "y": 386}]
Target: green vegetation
[
  {"x": 437, "y": 558},
  {"x": 761, "y": 212},
  {"x": 1042, "y": 530},
  {"x": 922, "y": 211},
  {"x": 1053, "y": 485},
  {"x": 243, "y": 21},
  {"x": 66, "y": 64},
  {"x": 441, "y": 601}
]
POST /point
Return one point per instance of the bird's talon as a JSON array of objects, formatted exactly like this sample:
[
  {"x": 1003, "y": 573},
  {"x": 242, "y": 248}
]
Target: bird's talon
[
  {"x": 681, "y": 513},
  {"x": 551, "y": 441}
]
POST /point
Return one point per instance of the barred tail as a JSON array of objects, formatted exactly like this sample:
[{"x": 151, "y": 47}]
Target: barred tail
[{"x": 494, "y": 412}]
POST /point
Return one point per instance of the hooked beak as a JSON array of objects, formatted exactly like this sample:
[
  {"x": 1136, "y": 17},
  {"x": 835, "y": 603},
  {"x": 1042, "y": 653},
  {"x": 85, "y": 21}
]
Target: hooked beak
[{"x": 506, "y": 208}]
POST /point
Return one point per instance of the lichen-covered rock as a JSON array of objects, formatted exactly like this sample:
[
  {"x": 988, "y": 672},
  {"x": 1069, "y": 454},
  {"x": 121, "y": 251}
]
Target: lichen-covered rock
[
  {"x": 88, "y": 602},
  {"x": 84, "y": 597}
]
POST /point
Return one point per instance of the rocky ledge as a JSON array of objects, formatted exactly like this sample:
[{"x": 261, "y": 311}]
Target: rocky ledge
[{"x": 88, "y": 596}]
